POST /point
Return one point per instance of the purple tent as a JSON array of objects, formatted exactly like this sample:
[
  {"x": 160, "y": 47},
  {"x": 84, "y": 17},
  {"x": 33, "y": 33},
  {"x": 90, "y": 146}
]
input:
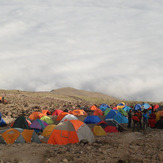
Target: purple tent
[{"x": 38, "y": 124}]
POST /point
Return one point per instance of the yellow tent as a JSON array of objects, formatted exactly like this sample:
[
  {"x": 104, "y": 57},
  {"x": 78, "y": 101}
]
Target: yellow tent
[
  {"x": 48, "y": 129},
  {"x": 99, "y": 131}
]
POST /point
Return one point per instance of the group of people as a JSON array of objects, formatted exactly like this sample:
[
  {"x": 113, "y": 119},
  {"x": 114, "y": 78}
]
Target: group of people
[{"x": 141, "y": 120}]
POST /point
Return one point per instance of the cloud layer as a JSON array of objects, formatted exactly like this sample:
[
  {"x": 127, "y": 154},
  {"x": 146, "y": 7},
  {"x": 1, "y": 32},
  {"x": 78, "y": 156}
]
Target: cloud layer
[{"x": 113, "y": 47}]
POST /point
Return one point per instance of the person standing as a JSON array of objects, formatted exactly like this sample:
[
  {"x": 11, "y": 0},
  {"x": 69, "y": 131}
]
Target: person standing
[
  {"x": 145, "y": 120},
  {"x": 136, "y": 120}
]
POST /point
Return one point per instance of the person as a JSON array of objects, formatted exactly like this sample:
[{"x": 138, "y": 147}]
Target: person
[
  {"x": 136, "y": 120},
  {"x": 145, "y": 120},
  {"x": 129, "y": 118},
  {"x": 152, "y": 120},
  {"x": 139, "y": 113}
]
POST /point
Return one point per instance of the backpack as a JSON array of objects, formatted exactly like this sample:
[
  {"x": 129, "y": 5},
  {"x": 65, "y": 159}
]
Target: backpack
[{"x": 135, "y": 118}]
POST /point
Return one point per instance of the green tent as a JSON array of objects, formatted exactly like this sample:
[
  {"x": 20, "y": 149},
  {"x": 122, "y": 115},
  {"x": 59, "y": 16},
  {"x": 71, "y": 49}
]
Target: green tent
[
  {"x": 124, "y": 113},
  {"x": 107, "y": 111},
  {"x": 47, "y": 119}
]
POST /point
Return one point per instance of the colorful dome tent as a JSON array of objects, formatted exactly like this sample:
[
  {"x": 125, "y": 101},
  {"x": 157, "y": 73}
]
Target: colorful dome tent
[
  {"x": 98, "y": 131},
  {"x": 120, "y": 118},
  {"x": 127, "y": 108},
  {"x": 145, "y": 106},
  {"x": 17, "y": 135},
  {"x": 61, "y": 115},
  {"x": 69, "y": 117},
  {"x": 72, "y": 131},
  {"x": 21, "y": 122},
  {"x": 92, "y": 119},
  {"x": 46, "y": 112},
  {"x": 112, "y": 122},
  {"x": 111, "y": 114},
  {"x": 124, "y": 113},
  {"x": 121, "y": 105},
  {"x": 2, "y": 121},
  {"x": 137, "y": 107},
  {"x": 48, "y": 130},
  {"x": 107, "y": 111},
  {"x": 98, "y": 112},
  {"x": 38, "y": 125},
  {"x": 47, "y": 119},
  {"x": 94, "y": 107},
  {"x": 107, "y": 127},
  {"x": 78, "y": 112},
  {"x": 103, "y": 107},
  {"x": 57, "y": 112},
  {"x": 116, "y": 115},
  {"x": 35, "y": 115}
]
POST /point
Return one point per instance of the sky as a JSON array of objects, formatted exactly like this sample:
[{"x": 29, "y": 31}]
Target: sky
[{"x": 110, "y": 46}]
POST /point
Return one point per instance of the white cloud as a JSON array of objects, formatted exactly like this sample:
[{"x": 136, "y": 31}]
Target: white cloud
[{"x": 109, "y": 46}]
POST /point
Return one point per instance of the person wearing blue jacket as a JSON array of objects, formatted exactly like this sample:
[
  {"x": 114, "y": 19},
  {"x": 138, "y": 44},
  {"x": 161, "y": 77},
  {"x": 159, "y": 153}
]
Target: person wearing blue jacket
[{"x": 145, "y": 120}]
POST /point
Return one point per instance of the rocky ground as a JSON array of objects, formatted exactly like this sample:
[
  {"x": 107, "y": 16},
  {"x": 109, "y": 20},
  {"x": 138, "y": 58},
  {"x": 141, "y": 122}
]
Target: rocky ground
[{"x": 124, "y": 147}]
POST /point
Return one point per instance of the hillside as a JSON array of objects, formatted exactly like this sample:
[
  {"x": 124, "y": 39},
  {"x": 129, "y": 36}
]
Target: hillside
[{"x": 68, "y": 91}]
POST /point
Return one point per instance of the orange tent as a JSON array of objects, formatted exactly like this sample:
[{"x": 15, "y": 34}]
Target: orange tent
[
  {"x": 61, "y": 115},
  {"x": 98, "y": 112},
  {"x": 78, "y": 112},
  {"x": 35, "y": 115},
  {"x": 46, "y": 112},
  {"x": 93, "y": 107},
  {"x": 72, "y": 131}
]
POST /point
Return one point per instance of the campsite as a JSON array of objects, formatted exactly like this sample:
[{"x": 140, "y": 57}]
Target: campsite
[{"x": 65, "y": 127}]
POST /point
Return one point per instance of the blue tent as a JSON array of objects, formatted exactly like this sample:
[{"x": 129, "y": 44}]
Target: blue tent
[
  {"x": 111, "y": 114},
  {"x": 145, "y": 105},
  {"x": 126, "y": 108},
  {"x": 137, "y": 107},
  {"x": 103, "y": 107},
  {"x": 2, "y": 121},
  {"x": 120, "y": 118},
  {"x": 92, "y": 119}
]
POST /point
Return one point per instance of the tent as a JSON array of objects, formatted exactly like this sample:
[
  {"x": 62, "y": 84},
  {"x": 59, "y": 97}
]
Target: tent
[
  {"x": 107, "y": 127},
  {"x": 98, "y": 112},
  {"x": 61, "y": 115},
  {"x": 57, "y": 112},
  {"x": 94, "y": 107},
  {"x": 123, "y": 112},
  {"x": 120, "y": 118},
  {"x": 111, "y": 114},
  {"x": 112, "y": 122},
  {"x": 137, "y": 107},
  {"x": 107, "y": 111},
  {"x": 121, "y": 105},
  {"x": 103, "y": 107},
  {"x": 21, "y": 122},
  {"x": 145, "y": 106},
  {"x": 69, "y": 117},
  {"x": 72, "y": 131},
  {"x": 47, "y": 119},
  {"x": 127, "y": 108},
  {"x": 48, "y": 130},
  {"x": 98, "y": 131},
  {"x": 46, "y": 112},
  {"x": 92, "y": 119},
  {"x": 78, "y": 112},
  {"x": 17, "y": 135},
  {"x": 35, "y": 115},
  {"x": 116, "y": 115},
  {"x": 38, "y": 125},
  {"x": 2, "y": 121}
]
